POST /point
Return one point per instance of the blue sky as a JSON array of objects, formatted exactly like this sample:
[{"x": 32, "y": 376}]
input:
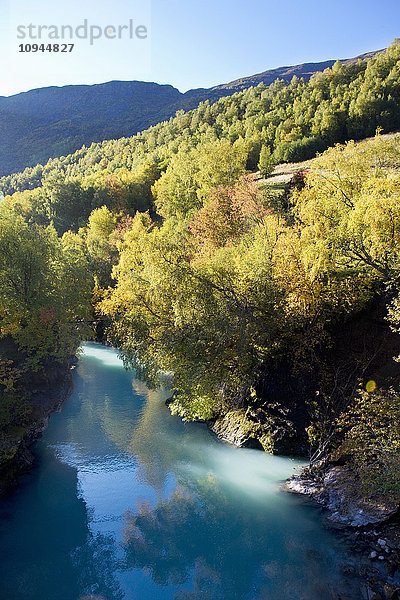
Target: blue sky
[{"x": 190, "y": 43}]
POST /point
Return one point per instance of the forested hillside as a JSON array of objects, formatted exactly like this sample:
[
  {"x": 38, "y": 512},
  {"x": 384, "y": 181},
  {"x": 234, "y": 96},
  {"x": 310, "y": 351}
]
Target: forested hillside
[
  {"x": 290, "y": 121},
  {"x": 48, "y": 122},
  {"x": 267, "y": 310}
]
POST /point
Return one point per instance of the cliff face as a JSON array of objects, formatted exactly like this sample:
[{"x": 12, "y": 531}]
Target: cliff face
[{"x": 47, "y": 394}]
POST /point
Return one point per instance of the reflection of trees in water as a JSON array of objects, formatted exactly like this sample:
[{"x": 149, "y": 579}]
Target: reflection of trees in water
[
  {"x": 95, "y": 565},
  {"x": 113, "y": 405},
  {"x": 195, "y": 538},
  {"x": 152, "y": 442},
  {"x": 131, "y": 417},
  {"x": 207, "y": 584},
  {"x": 105, "y": 404},
  {"x": 193, "y": 531}
]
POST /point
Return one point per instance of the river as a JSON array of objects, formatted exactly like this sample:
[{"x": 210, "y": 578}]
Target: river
[{"x": 127, "y": 502}]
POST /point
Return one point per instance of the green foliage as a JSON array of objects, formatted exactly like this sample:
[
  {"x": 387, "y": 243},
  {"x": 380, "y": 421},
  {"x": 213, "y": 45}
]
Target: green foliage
[
  {"x": 25, "y": 252},
  {"x": 372, "y": 440},
  {"x": 192, "y": 174},
  {"x": 14, "y": 410},
  {"x": 100, "y": 245},
  {"x": 201, "y": 318},
  {"x": 45, "y": 288},
  {"x": 229, "y": 213},
  {"x": 295, "y": 121},
  {"x": 265, "y": 164},
  {"x": 218, "y": 292},
  {"x": 205, "y": 281},
  {"x": 349, "y": 209}
]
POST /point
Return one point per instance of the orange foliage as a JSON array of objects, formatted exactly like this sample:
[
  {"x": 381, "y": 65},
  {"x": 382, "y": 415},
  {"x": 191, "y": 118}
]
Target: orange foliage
[{"x": 229, "y": 213}]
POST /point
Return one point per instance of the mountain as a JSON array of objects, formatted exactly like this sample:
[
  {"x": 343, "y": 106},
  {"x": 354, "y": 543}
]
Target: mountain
[{"x": 55, "y": 121}]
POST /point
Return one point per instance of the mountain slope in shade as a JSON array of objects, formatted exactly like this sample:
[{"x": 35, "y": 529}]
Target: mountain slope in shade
[{"x": 55, "y": 121}]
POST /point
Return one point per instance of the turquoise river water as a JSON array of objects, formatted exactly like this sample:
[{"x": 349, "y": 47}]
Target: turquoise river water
[{"x": 129, "y": 503}]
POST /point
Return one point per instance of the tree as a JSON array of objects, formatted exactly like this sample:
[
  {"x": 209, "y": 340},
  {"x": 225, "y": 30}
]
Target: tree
[
  {"x": 100, "y": 244},
  {"x": 206, "y": 319},
  {"x": 45, "y": 288},
  {"x": 371, "y": 429},
  {"x": 228, "y": 214},
  {"x": 349, "y": 208},
  {"x": 192, "y": 174},
  {"x": 265, "y": 164}
]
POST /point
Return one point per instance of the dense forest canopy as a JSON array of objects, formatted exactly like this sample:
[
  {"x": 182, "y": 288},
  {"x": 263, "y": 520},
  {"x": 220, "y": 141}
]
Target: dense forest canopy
[{"x": 193, "y": 267}]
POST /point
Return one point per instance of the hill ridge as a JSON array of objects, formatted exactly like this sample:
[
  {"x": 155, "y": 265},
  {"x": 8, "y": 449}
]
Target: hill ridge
[{"x": 56, "y": 120}]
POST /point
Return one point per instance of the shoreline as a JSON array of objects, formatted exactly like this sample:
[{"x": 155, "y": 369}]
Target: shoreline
[
  {"x": 48, "y": 397},
  {"x": 371, "y": 527}
]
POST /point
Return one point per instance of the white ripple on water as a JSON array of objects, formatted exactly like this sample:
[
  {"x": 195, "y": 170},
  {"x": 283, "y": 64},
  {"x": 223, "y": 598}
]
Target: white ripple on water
[{"x": 76, "y": 456}]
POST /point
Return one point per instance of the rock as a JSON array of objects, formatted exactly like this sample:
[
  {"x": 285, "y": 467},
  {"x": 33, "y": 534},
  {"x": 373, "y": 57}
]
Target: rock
[
  {"x": 257, "y": 428},
  {"x": 235, "y": 428},
  {"x": 339, "y": 491},
  {"x": 370, "y": 594},
  {"x": 300, "y": 485},
  {"x": 49, "y": 393}
]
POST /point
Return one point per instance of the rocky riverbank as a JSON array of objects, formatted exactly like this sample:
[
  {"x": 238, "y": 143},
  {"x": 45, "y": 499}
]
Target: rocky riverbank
[
  {"x": 254, "y": 428},
  {"x": 370, "y": 525},
  {"x": 47, "y": 393}
]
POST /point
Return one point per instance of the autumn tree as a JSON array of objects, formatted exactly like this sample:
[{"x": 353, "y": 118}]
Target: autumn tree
[{"x": 265, "y": 164}]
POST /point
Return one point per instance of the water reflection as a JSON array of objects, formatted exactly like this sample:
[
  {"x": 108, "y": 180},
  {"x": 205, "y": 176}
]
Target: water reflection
[
  {"x": 154, "y": 467},
  {"x": 128, "y": 502},
  {"x": 193, "y": 535},
  {"x": 48, "y": 551}
]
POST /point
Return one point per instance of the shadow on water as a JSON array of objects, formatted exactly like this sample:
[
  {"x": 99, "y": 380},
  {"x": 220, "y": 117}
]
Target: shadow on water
[
  {"x": 128, "y": 503},
  {"x": 47, "y": 549}
]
